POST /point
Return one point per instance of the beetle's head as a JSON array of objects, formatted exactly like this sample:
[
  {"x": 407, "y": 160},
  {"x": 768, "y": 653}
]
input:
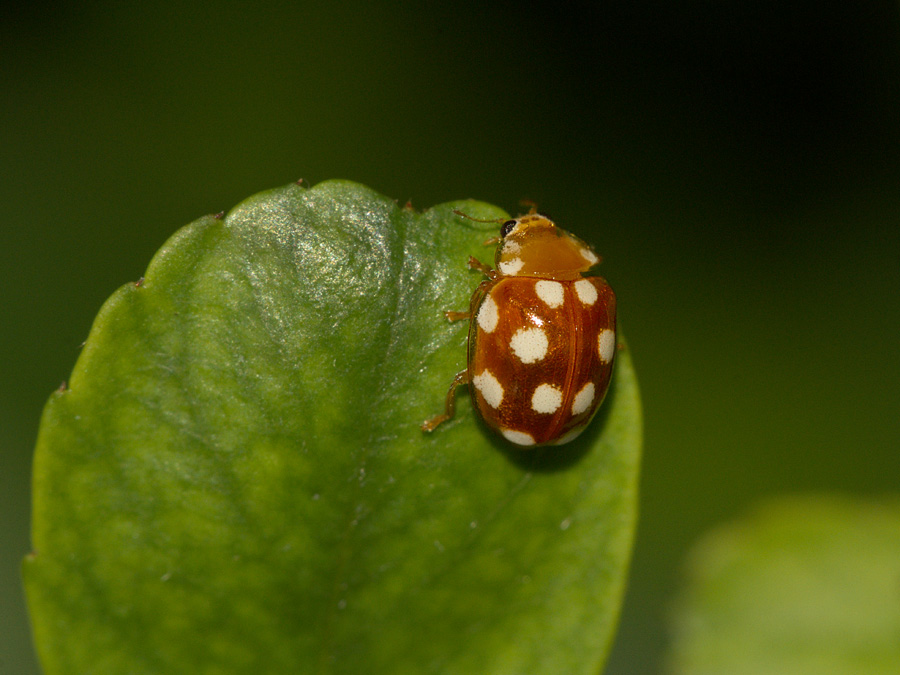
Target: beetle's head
[{"x": 532, "y": 245}]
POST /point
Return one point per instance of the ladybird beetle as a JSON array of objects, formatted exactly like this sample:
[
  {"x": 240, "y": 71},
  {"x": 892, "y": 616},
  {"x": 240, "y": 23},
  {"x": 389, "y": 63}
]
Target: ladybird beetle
[{"x": 542, "y": 336}]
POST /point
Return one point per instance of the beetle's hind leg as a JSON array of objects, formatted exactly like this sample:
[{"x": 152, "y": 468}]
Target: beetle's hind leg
[{"x": 461, "y": 378}]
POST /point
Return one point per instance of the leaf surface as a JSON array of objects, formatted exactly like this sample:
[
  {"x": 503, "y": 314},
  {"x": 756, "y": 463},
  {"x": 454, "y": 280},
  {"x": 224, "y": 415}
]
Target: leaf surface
[{"x": 235, "y": 480}]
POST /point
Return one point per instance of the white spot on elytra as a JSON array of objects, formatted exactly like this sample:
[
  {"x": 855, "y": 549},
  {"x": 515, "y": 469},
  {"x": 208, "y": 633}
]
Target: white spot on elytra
[
  {"x": 546, "y": 399},
  {"x": 586, "y": 291},
  {"x": 529, "y": 344},
  {"x": 510, "y": 267},
  {"x": 518, "y": 437},
  {"x": 583, "y": 399},
  {"x": 488, "y": 315},
  {"x": 590, "y": 256},
  {"x": 489, "y": 387},
  {"x": 606, "y": 343},
  {"x": 551, "y": 292}
]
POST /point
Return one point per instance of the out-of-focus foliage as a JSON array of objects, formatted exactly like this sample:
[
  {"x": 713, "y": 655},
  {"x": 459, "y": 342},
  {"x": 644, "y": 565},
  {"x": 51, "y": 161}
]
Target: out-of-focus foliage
[{"x": 801, "y": 586}]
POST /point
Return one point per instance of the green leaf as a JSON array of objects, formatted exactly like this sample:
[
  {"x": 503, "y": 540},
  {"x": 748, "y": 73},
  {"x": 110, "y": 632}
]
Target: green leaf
[
  {"x": 236, "y": 482},
  {"x": 808, "y": 585}
]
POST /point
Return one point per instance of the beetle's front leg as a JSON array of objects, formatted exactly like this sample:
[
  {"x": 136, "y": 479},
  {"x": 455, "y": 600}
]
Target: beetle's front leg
[{"x": 486, "y": 270}]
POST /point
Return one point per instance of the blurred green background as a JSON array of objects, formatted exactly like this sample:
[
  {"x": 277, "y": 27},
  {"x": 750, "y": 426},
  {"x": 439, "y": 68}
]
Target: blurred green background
[{"x": 737, "y": 164}]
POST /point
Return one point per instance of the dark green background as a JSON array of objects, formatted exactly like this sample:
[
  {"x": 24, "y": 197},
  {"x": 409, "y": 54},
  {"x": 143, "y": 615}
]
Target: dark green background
[{"x": 737, "y": 164}]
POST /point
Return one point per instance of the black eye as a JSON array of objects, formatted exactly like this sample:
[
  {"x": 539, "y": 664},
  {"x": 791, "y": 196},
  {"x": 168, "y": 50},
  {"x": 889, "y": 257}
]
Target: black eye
[{"x": 507, "y": 227}]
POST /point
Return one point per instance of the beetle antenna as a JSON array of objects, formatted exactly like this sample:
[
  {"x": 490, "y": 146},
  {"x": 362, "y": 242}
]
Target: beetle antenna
[
  {"x": 530, "y": 203},
  {"x": 480, "y": 220}
]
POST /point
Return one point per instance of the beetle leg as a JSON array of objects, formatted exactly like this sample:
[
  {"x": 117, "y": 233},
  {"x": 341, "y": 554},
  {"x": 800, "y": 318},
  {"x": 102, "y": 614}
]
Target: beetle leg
[
  {"x": 462, "y": 377},
  {"x": 492, "y": 241},
  {"x": 486, "y": 270},
  {"x": 457, "y": 316}
]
